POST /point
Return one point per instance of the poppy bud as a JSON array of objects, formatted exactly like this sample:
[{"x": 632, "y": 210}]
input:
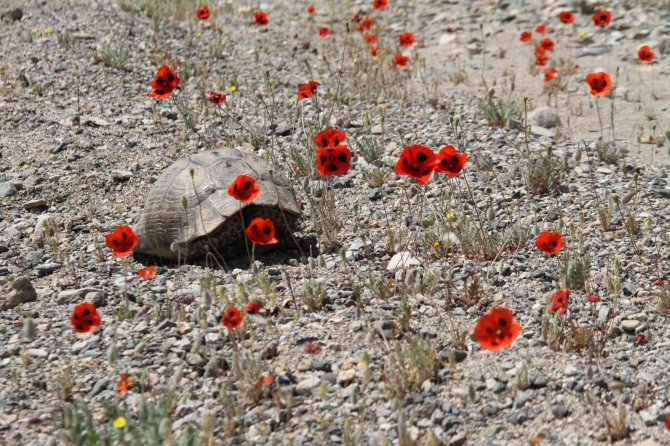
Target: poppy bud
[
  {"x": 207, "y": 299},
  {"x": 29, "y": 328},
  {"x": 578, "y": 155},
  {"x": 112, "y": 353},
  {"x": 165, "y": 428},
  {"x": 259, "y": 95},
  {"x": 179, "y": 373},
  {"x": 321, "y": 261},
  {"x": 191, "y": 172},
  {"x": 184, "y": 202},
  {"x": 491, "y": 93},
  {"x": 491, "y": 214}
]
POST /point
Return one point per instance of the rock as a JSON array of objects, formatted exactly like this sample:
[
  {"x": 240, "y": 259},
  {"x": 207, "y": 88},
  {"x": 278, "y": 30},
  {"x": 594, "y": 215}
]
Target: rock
[
  {"x": 560, "y": 411},
  {"x": 346, "y": 377},
  {"x": 7, "y": 189},
  {"x": 592, "y": 51},
  {"x": 629, "y": 325},
  {"x": 15, "y": 14},
  {"x": 305, "y": 386},
  {"x": 402, "y": 260},
  {"x": 99, "y": 386},
  {"x": 546, "y": 117},
  {"x": 21, "y": 292},
  {"x": 61, "y": 146},
  {"x": 648, "y": 442},
  {"x": 36, "y": 203},
  {"x": 47, "y": 268},
  {"x": 97, "y": 298},
  {"x": 629, "y": 289},
  {"x": 270, "y": 350},
  {"x": 455, "y": 355},
  {"x": 458, "y": 440},
  {"x": 121, "y": 175},
  {"x": 446, "y": 39}
]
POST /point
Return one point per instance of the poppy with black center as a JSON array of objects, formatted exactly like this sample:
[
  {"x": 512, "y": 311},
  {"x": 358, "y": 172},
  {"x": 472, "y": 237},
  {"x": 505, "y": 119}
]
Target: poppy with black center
[
  {"x": 566, "y": 17},
  {"x": 600, "y": 83},
  {"x": 85, "y": 318},
  {"x": 165, "y": 83},
  {"x": 203, "y": 13},
  {"x": 401, "y": 61},
  {"x": 324, "y": 31},
  {"x": 374, "y": 51},
  {"x": 496, "y": 330},
  {"x": 253, "y": 307},
  {"x": 122, "y": 241},
  {"x": 549, "y": 74},
  {"x": 417, "y": 162},
  {"x": 406, "y": 39},
  {"x": 525, "y": 36},
  {"x": 244, "y": 188},
  {"x": 147, "y": 273},
  {"x": 559, "y": 301},
  {"x": 261, "y": 18},
  {"x": 602, "y": 18},
  {"x": 547, "y": 44},
  {"x": 232, "y": 318},
  {"x": 311, "y": 9},
  {"x": 329, "y": 138},
  {"x": 261, "y": 231},
  {"x": 378, "y": 5},
  {"x": 645, "y": 54},
  {"x": 541, "y": 29},
  {"x": 450, "y": 162},
  {"x": 333, "y": 161},
  {"x": 549, "y": 242},
  {"x": 216, "y": 98}
]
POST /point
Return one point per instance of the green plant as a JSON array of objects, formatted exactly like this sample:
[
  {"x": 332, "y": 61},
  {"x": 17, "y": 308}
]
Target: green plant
[
  {"x": 409, "y": 364},
  {"x": 116, "y": 58},
  {"x": 545, "y": 173}
]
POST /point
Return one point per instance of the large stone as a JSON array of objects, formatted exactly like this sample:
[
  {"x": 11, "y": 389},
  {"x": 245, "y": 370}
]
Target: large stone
[
  {"x": 21, "y": 292},
  {"x": 7, "y": 189},
  {"x": 545, "y": 117},
  {"x": 402, "y": 260}
]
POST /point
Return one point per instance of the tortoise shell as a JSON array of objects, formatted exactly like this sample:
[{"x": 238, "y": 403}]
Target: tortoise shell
[{"x": 189, "y": 212}]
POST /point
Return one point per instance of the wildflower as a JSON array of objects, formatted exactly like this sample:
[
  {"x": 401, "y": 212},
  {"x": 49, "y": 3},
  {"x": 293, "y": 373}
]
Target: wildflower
[
  {"x": 602, "y": 18},
  {"x": 496, "y": 330},
  {"x": 547, "y": 44},
  {"x": 365, "y": 24},
  {"x": 267, "y": 380},
  {"x": 216, "y": 98},
  {"x": 324, "y": 31},
  {"x": 371, "y": 39},
  {"x": 667, "y": 423},
  {"x": 406, "y": 39},
  {"x": 232, "y": 88},
  {"x": 244, "y": 188},
  {"x": 593, "y": 298},
  {"x": 641, "y": 340},
  {"x": 261, "y": 231},
  {"x": 549, "y": 74},
  {"x": 417, "y": 162},
  {"x": 451, "y": 216},
  {"x": 645, "y": 54},
  {"x": 549, "y": 242},
  {"x": 165, "y": 83},
  {"x": 450, "y": 30},
  {"x": 85, "y": 318},
  {"x": 311, "y": 10},
  {"x": 374, "y": 51},
  {"x": 203, "y": 13},
  {"x": 378, "y": 5},
  {"x": 261, "y": 18},
  {"x": 541, "y": 29},
  {"x": 232, "y": 318},
  {"x": 449, "y": 161},
  {"x": 329, "y": 138},
  {"x": 253, "y": 307},
  {"x": 119, "y": 423},
  {"x": 658, "y": 282},
  {"x": 600, "y": 83},
  {"x": 525, "y": 36},
  {"x": 401, "y": 61},
  {"x": 566, "y": 17},
  {"x": 122, "y": 241},
  {"x": 307, "y": 90},
  {"x": 559, "y": 301},
  {"x": 123, "y": 384},
  {"x": 147, "y": 273},
  {"x": 541, "y": 58},
  {"x": 333, "y": 161},
  {"x": 312, "y": 348}
]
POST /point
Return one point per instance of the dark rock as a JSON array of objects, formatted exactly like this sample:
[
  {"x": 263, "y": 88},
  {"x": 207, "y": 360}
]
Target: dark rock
[{"x": 560, "y": 411}]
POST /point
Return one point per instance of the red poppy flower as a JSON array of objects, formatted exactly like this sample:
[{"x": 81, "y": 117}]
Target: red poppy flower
[
  {"x": 641, "y": 340},
  {"x": 165, "y": 83},
  {"x": 333, "y": 161},
  {"x": 307, "y": 90},
  {"x": 261, "y": 231},
  {"x": 147, "y": 273},
  {"x": 267, "y": 380},
  {"x": 449, "y": 161},
  {"x": 600, "y": 83},
  {"x": 549, "y": 242},
  {"x": 525, "y": 36},
  {"x": 541, "y": 29},
  {"x": 374, "y": 51},
  {"x": 329, "y": 138},
  {"x": 261, "y": 18},
  {"x": 203, "y": 13},
  {"x": 496, "y": 330},
  {"x": 593, "y": 298},
  {"x": 122, "y": 241},
  {"x": 401, "y": 61},
  {"x": 378, "y": 5},
  {"x": 324, "y": 31},
  {"x": 232, "y": 318},
  {"x": 541, "y": 58},
  {"x": 85, "y": 318},
  {"x": 667, "y": 423},
  {"x": 244, "y": 188},
  {"x": 559, "y": 301},
  {"x": 356, "y": 19},
  {"x": 547, "y": 44},
  {"x": 312, "y": 348},
  {"x": 658, "y": 282},
  {"x": 371, "y": 39},
  {"x": 566, "y": 17},
  {"x": 406, "y": 39},
  {"x": 311, "y": 9},
  {"x": 645, "y": 54},
  {"x": 450, "y": 30},
  {"x": 417, "y": 162},
  {"x": 549, "y": 74},
  {"x": 365, "y": 24},
  {"x": 253, "y": 307},
  {"x": 123, "y": 384},
  {"x": 602, "y": 18},
  {"x": 216, "y": 98}
]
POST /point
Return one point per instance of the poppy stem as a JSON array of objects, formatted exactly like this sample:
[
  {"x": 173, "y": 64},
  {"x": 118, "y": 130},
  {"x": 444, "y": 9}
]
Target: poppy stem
[{"x": 600, "y": 119}]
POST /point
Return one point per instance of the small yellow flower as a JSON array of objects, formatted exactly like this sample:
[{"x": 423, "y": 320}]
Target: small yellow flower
[
  {"x": 198, "y": 34},
  {"x": 451, "y": 216},
  {"x": 49, "y": 30},
  {"x": 232, "y": 89},
  {"x": 120, "y": 423},
  {"x": 581, "y": 33},
  {"x": 436, "y": 245}
]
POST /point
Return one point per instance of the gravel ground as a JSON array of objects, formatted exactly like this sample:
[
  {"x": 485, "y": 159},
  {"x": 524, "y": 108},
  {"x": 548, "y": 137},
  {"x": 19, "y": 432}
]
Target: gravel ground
[{"x": 396, "y": 280}]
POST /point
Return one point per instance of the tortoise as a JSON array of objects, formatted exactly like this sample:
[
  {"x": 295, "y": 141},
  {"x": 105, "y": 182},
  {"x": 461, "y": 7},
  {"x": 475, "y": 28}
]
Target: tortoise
[{"x": 189, "y": 212}]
